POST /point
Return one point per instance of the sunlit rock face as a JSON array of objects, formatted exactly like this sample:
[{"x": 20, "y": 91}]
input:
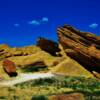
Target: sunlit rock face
[
  {"x": 9, "y": 67},
  {"x": 84, "y": 47}
]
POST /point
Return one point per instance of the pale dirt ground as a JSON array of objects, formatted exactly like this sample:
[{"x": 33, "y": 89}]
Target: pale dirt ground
[{"x": 23, "y": 77}]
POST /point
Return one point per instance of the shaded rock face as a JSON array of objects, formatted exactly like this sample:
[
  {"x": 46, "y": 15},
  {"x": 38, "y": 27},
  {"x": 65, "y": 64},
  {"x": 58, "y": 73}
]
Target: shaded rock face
[
  {"x": 72, "y": 96},
  {"x": 35, "y": 66},
  {"x": 9, "y": 68},
  {"x": 38, "y": 63},
  {"x": 48, "y": 46},
  {"x": 84, "y": 47}
]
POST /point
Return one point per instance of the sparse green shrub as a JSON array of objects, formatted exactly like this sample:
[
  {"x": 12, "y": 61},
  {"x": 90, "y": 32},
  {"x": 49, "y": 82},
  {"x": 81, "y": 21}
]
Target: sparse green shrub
[
  {"x": 2, "y": 57},
  {"x": 3, "y": 98},
  {"x": 40, "y": 97},
  {"x": 34, "y": 68}
]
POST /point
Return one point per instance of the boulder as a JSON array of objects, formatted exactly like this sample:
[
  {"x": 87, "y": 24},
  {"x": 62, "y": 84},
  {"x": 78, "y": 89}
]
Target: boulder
[
  {"x": 48, "y": 46},
  {"x": 9, "y": 67}
]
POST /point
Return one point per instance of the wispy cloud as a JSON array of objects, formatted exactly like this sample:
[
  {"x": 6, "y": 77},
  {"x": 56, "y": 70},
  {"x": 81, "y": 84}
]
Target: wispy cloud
[
  {"x": 45, "y": 19},
  {"x": 39, "y": 22},
  {"x": 34, "y": 22},
  {"x": 16, "y": 25},
  {"x": 93, "y": 25}
]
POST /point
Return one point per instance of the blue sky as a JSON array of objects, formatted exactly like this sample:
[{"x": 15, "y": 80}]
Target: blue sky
[{"x": 23, "y": 21}]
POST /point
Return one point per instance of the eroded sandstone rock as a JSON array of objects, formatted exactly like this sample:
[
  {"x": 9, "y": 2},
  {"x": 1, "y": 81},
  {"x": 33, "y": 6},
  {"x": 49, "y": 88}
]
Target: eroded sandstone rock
[
  {"x": 84, "y": 46},
  {"x": 48, "y": 46},
  {"x": 9, "y": 67}
]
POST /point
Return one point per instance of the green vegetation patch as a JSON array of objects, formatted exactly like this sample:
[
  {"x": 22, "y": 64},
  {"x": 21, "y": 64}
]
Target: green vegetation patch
[
  {"x": 34, "y": 68},
  {"x": 89, "y": 85},
  {"x": 40, "y": 89}
]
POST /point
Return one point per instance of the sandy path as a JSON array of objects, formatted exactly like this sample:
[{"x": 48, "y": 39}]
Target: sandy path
[{"x": 25, "y": 77}]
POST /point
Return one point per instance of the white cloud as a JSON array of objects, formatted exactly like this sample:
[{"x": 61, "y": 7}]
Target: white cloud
[
  {"x": 16, "y": 25},
  {"x": 45, "y": 19},
  {"x": 39, "y": 22},
  {"x": 34, "y": 22},
  {"x": 93, "y": 25}
]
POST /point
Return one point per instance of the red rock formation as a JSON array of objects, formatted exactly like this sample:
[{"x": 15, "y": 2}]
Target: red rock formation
[
  {"x": 36, "y": 63},
  {"x": 84, "y": 47},
  {"x": 71, "y": 96},
  {"x": 9, "y": 67},
  {"x": 48, "y": 46},
  {"x": 35, "y": 66}
]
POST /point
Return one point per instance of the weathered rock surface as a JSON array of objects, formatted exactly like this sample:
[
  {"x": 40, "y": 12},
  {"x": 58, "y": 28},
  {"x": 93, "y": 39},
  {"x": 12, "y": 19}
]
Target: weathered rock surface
[
  {"x": 48, "y": 46},
  {"x": 27, "y": 60},
  {"x": 6, "y": 52},
  {"x": 3, "y": 46},
  {"x": 37, "y": 63},
  {"x": 9, "y": 67},
  {"x": 71, "y": 96},
  {"x": 35, "y": 66},
  {"x": 84, "y": 47},
  {"x": 69, "y": 67}
]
